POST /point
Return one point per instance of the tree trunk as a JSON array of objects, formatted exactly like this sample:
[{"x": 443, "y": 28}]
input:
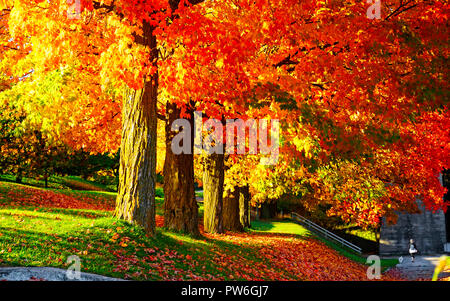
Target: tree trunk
[
  {"x": 180, "y": 205},
  {"x": 19, "y": 176},
  {"x": 268, "y": 210},
  {"x": 244, "y": 206},
  {"x": 213, "y": 181},
  {"x": 231, "y": 220},
  {"x": 46, "y": 178},
  {"x": 136, "y": 194},
  {"x": 377, "y": 231}
]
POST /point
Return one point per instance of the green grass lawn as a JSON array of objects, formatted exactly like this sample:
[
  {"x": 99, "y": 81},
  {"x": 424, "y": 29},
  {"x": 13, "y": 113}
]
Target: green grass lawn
[
  {"x": 53, "y": 182},
  {"x": 76, "y": 182},
  {"x": 43, "y": 236},
  {"x": 60, "y": 182},
  {"x": 288, "y": 226},
  {"x": 284, "y": 226},
  {"x": 40, "y": 236},
  {"x": 48, "y": 236}
]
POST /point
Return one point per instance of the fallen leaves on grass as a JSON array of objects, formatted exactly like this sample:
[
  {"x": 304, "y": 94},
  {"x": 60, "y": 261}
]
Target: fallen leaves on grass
[
  {"x": 247, "y": 256},
  {"x": 35, "y": 197},
  {"x": 230, "y": 256}
]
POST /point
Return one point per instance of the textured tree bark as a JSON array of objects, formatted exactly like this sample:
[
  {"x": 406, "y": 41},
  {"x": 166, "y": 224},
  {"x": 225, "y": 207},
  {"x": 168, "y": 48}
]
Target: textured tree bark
[
  {"x": 213, "y": 180},
  {"x": 377, "y": 231},
  {"x": 244, "y": 206},
  {"x": 231, "y": 220},
  {"x": 136, "y": 193},
  {"x": 19, "y": 176},
  {"x": 180, "y": 205},
  {"x": 46, "y": 178}
]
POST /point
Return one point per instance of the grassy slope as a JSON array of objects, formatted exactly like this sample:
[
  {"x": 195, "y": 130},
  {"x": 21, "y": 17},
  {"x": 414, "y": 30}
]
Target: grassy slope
[
  {"x": 59, "y": 182},
  {"x": 47, "y": 237},
  {"x": 31, "y": 236},
  {"x": 287, "y": 226},
  {"x": 41, "y": 236}
]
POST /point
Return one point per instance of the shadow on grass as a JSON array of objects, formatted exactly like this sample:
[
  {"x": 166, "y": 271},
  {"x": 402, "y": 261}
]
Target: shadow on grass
[
  {"x": 281, "y": 227},
  {"x": 34, "y": 183},
  {"x": 367, "y": 245},
  {"x": 100, "y": 255},
  {"x": 38, "y": 249},
  {"x": 274, "y": 226},
  {"x": 85, "y": 213},
  {"x": 262, "y": 226},
  {"x": 90, "y": 214}
]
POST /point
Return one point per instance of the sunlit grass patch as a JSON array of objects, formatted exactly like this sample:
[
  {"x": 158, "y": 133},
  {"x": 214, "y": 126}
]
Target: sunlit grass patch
[{"x": 41, "y": 227}]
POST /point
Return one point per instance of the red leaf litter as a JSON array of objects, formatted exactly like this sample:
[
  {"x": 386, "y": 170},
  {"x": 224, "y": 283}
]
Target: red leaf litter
[{"x": 35, "y": 197}]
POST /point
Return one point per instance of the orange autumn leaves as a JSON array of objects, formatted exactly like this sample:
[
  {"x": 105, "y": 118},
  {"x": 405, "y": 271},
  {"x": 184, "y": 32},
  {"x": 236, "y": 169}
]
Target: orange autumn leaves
[
  {"x": 348, "y": 78},
  {"x": 233, "y": 256},
  {"x": 249, "y": 256},
  {"x": 284, "y": 257},
  {"x": 35, "y": 197}
]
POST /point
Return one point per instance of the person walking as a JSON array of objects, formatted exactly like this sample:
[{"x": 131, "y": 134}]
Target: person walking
[{"x": 412, "y": 249}]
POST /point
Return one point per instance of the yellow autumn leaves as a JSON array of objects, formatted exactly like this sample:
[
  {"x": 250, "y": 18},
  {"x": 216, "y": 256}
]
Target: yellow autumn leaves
[{"x": 5, "y": 4}]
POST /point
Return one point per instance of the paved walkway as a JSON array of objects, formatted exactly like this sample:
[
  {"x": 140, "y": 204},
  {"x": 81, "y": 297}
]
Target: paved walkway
[
  {"x": 422, "y": 267},
  {"x": 46, "y": 274}
]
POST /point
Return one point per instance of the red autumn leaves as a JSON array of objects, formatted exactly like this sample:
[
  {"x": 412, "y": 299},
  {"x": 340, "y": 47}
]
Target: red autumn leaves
[
  {"x": 28, "y": 196},
  {"x": 233, "y": 256}
]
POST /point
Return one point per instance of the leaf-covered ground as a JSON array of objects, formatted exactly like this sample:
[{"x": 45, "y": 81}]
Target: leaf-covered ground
[{"x": 44, "y": 227}]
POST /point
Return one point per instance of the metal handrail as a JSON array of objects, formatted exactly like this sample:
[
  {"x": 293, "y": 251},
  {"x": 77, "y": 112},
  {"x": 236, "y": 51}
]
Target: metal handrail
[{"x": 325, "y": 232}]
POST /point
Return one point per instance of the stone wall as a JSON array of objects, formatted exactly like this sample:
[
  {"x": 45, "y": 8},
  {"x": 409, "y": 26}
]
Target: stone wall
[{"x": 426, "y": 228}]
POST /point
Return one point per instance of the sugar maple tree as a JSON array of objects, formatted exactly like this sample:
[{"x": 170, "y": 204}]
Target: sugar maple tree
[
  {"x": 348, "y": 88},
  {"x": 343, "y": 85},
  {"x": 115, "y": 43}
]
